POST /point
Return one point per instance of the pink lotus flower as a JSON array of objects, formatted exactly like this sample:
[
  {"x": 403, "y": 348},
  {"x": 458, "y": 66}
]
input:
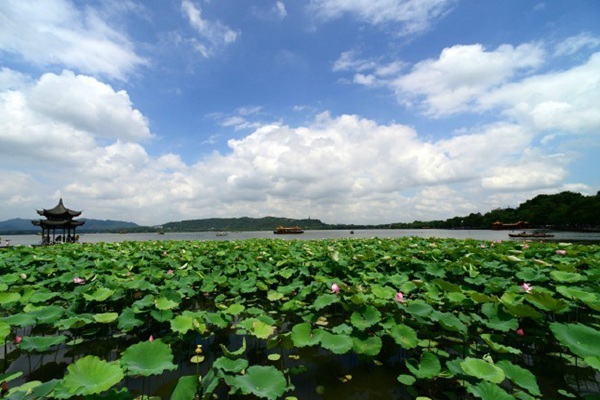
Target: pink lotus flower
[
  {"x": 399, "y": 297},
  {"x": 151, "y": 338},
  {"x": 170, "y": 272},
  {"x": 78, "y": 280},
  {"x": 18, "y": 339},
  {"x": 520, "y": 332},
  {"x": 526, "y": 287},
  {"x": 561, "y": 252},
  {"x": 335, "y": 288},
  {"x": 525, "y": 246}
]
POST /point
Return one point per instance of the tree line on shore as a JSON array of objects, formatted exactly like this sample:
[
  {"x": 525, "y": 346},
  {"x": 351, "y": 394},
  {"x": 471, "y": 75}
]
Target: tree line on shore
[{"x": 561, "y": 211}]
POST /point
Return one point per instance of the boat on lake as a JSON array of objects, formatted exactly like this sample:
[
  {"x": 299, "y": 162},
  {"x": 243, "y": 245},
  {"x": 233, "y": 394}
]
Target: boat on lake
[
  {"x": 531, "y": 235},
  {"x": 283, "y": 230}
]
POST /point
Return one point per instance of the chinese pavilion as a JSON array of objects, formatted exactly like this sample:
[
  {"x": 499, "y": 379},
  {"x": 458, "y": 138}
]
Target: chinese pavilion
[{"x": 58, "y": 218}]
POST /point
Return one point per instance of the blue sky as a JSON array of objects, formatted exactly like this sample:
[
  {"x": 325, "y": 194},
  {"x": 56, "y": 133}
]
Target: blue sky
[{"x": 350, "y": 111}]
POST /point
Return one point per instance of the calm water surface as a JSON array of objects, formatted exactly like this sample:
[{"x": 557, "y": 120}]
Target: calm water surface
[{"x": 16, "y": 240}]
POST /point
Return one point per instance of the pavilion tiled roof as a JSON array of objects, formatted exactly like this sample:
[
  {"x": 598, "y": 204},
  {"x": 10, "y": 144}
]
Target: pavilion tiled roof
[{"x": 59, "y": 211}]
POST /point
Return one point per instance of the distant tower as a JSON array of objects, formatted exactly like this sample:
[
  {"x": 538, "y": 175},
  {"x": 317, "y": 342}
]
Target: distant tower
[{"x": 60, "y": 218}]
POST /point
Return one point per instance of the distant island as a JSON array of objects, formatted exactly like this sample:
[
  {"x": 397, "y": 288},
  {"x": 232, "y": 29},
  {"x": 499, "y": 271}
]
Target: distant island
[{"x": 562, "y": 211}]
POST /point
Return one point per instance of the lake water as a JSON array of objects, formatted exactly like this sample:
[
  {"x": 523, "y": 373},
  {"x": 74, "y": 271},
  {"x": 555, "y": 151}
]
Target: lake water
[{"x": 592, "y": 237}]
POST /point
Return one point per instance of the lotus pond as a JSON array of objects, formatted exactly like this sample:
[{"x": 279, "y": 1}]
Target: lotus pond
[{"x": 287, "y": 319}]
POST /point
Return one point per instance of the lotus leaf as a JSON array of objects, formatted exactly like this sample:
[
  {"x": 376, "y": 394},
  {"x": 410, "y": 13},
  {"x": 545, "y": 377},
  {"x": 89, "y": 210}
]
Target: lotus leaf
[
  {"x": 369, "y": 347},
  {"x": 520, "y": 376},
  {"x": 593, "y": 362},
  {"x": 186, "y": 389},
  {"x": 258, "y": 328},
  {"x": 489, "y": 391},
  {"x": 182, "y": 324},
  {"x": 580, "y": 339},
  {"x": 368, "y": 317},
  {"x": 234, "y": 353},
  {"x": 404, "y": 336},
  {"x": 91, "y": 375},
  {"x": 164, "y": 303},
  {"x": 576, "y": 293},
  {"x": 21, "y": 320},
  {"x": 337, "y": 344},
  {"x": 99, "y": 294},
  {"x": 482, "y": 370},
  {"x": 41, "y": 343},
  {"x": 229, "y": 365},
  {"x": 419, "y": 308},
  {"x": 235, "y": 309},
  {"x": 274, "y": 295},
  {"x": 128, "y": 320},
  {"x": 428, "y": 368},
  {"x": 106, "y": 318},
  {"x": 500, "y": 348},
  {"x": 303, "y": 335},
  {"x": 545, "y": 301},
  {"x": 324, "y": 300},
  {"x": 565, "y": 276},
  {"x": 407, "y": 380},
  {"x": 9, "y": 297},
  {"x": 4, "y": 331},
  {"x": 147, "y": 358},
  {"x": 264, "y": 382}
]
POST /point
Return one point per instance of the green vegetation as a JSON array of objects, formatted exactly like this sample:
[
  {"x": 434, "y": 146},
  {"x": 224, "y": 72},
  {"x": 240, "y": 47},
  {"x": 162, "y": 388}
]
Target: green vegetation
[
  {"x": 566, "y": 210},
  {"x": 269, "y": 318}
]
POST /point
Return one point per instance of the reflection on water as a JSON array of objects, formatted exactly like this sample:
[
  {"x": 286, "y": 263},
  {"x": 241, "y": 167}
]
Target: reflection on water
[{"x": 491, "y": 235}]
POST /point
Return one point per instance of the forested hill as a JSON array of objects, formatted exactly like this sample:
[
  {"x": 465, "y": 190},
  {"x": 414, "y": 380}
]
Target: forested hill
[
  {"x": 242, "y": 224},
  {"x": 566, "y": 210}
]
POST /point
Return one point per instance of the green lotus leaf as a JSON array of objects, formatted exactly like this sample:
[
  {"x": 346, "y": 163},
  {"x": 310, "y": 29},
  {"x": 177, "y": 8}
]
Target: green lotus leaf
[
  {"x": 404, "y": 336},
  {"x": 546, "y": 302},
  {"x": 592, "y": 361},
  {"x": 447, "y": 286},
  {"x": 369, "y": 347},
  {"x": 342, "y": 328},
  {"x": 368, "y": 317},
  {"x": 235, "y": 309},
  {"x": 10, "y": 376},
  {"x": 580, "y": 339},
  {"x": 274, "y": 295},
  {"x": 99, "y": 294},
  {"x": 41, "y": 343},
  {"x": 407, "y": 380},
  {"x": 42, "y": 296},
  {"x": 182, "y": 324},
  {"x": 565, "y": 276},
  {"x": 274, "y": 357},
  {"x": 337, "y": 344},
  {"x": 48, "y": 314},
  {"x": 91, "y": 375},
  {"x": 21, "y": 320},
  {"x": 106, "y": 318},
  {"x": 129, "y": 320},
  {"x": 186, "y": 389},
  {"x": 4, "y": 331},
  {"x": 325, "y": 300},
  {"x": 234, "y": 353},
  {"x": 258, "y": 328},
  {"x": 480, "y": 297},
  {"x": 264, "y": 382},
  {"x": 483, "y": 370},
  {"x": 520, "y": 376},
  {"x": 383, "y": 292},
  {"x": 303, "y": 335},
  {"x": 489, "y": 391},
  {"x": 229, "y": 365},
  {"x": 576, "y": 293},
  {"x": 451, "y": 322},
  {"x": 497, "y": 347},
  {"x": 72, "y": 322},
  {"x": 419, "y": 308},
  {"x": 9, "y": 297},
  {"x": 147, "y": 358},
  {"x": 20, "y": 392},
  {"x": 428, "y": 368},
  {"x": 164, "y": 303},
  {"x": 523, "y": 310},
  {"x": 216, "y": 319}
]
